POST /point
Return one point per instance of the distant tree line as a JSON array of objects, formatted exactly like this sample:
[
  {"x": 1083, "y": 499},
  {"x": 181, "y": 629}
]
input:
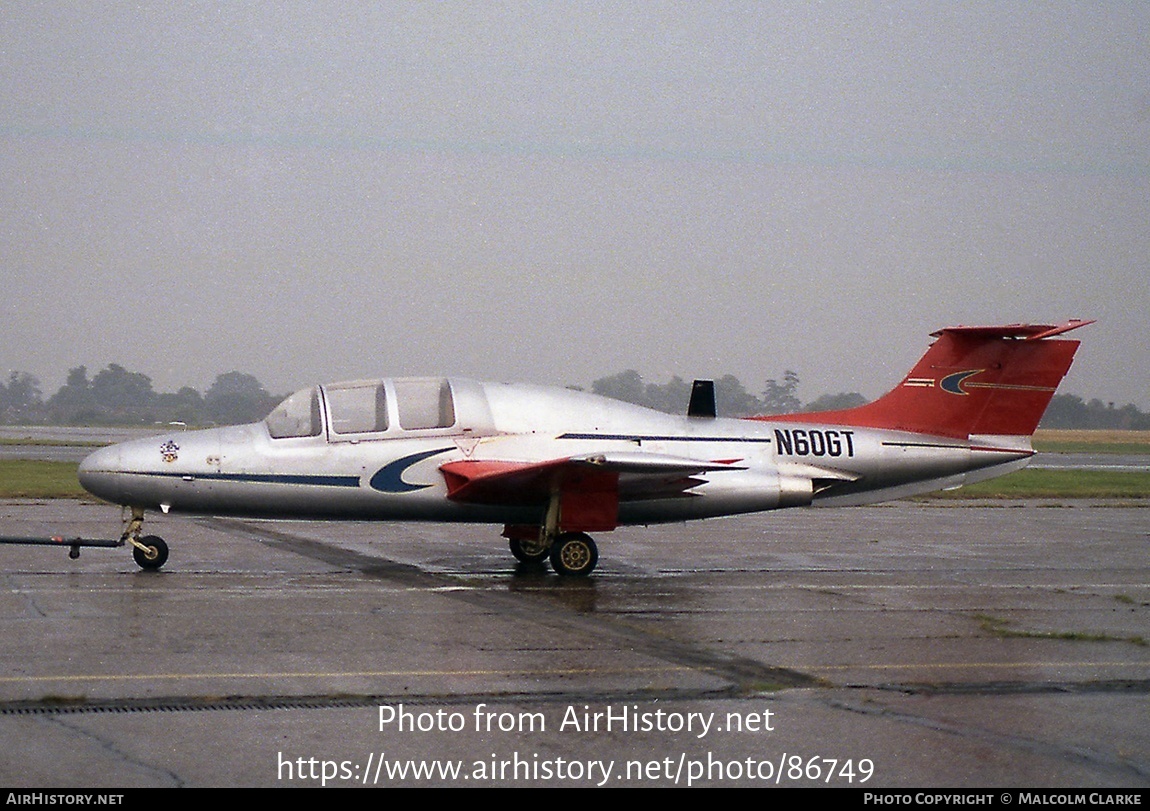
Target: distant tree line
[
  {"x": 731, "y": 398},
  {"x": 781, "y": 397},
  {"x": 116, "y": 396},
  {"x": 1070, "y": 411}
]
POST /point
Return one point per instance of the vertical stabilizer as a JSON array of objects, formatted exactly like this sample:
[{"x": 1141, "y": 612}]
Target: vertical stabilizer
[{"x": 972, "y": 380}]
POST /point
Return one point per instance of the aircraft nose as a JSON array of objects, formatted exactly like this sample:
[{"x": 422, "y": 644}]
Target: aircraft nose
[{"x": 99, "y": 473}]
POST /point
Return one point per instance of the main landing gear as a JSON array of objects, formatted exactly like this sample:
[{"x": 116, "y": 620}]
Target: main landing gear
[
  {"x": 528, "y": 550},
  {"x": 572, "y": 554}
]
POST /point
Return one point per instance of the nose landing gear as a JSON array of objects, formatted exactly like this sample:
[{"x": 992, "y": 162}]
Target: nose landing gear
[{"x": 150, "y": 552}]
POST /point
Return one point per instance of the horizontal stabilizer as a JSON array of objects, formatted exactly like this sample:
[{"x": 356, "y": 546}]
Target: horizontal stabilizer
[{"x": 1028, "y": 332}]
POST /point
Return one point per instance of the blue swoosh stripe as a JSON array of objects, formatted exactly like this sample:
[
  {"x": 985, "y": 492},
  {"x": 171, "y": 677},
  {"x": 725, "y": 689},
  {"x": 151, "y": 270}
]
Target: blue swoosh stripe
[{"x": 389, "y": 478}]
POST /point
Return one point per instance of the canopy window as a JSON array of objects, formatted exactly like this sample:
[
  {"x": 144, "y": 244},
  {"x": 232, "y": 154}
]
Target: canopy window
[{"x": 424, "y": 402}]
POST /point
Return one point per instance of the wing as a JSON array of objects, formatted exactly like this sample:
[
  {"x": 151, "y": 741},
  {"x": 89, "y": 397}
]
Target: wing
[{"x": 589, "y": 487}]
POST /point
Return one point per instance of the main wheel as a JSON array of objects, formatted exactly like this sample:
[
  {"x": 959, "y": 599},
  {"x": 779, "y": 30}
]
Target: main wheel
[
  {"x": 527, "y": 551},
  {"x": 155, "y": 556},
  {"x": 574, "y": 554}
]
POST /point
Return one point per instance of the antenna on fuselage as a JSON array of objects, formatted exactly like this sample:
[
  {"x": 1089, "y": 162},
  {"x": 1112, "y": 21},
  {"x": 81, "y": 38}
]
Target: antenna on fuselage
[{"x": 702, "y": 399}]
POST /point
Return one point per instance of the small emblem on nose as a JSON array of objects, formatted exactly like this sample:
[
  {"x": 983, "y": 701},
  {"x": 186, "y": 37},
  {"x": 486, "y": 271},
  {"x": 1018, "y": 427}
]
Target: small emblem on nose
[{"x": 169, "y": 451}]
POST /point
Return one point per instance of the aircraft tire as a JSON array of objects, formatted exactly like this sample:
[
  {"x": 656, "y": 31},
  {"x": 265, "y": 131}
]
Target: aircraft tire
[
  {"x": 156, "y": 543},
  {"x": 574, "y": 554},
  {"x": 522, "y": 554}
]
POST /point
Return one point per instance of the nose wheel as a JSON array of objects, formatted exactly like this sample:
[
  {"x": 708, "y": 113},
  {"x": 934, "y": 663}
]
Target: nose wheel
[{"x": 149, "y": 552}]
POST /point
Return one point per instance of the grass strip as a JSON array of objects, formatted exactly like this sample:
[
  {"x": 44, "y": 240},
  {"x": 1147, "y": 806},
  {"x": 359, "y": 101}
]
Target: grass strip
[
  {"x": 1091, "y": 441},
  {"x": 1059, "y": 484},
  {"x": 34, "y": 478},
  {"x": 51, "y": 443}
]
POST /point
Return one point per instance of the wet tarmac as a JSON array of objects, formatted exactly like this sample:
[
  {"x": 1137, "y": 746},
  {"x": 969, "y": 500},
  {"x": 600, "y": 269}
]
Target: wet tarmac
[
  {"x": 907, "y": 645},
  {"x": 1118, "y": 462}
]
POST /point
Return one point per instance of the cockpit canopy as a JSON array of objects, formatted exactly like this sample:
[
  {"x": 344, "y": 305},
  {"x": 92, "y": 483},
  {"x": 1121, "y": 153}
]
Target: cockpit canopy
[
  {"x": 296, "y": 416},
  {"x": 366, "y": 407}
]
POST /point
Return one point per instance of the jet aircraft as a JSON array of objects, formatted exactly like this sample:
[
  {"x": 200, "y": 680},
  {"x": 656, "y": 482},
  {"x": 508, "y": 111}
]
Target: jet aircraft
[{"x": 552, "y": 465}]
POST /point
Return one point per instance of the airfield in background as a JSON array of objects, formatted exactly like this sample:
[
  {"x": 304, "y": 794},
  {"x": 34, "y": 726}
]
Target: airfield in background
[{"x": 929, "y": 644}]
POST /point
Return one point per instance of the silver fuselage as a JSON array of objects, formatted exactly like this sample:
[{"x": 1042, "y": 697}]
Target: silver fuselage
[{"x": 394, "y": 472}]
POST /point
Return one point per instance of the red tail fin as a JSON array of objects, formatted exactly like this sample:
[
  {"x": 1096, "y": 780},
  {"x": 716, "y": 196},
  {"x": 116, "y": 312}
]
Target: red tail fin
[{"x": 972, "y": 380}]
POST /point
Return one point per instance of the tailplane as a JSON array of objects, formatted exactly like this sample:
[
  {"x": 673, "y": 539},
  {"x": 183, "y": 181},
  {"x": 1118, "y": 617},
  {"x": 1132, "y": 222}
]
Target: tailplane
[{"x": 972, "y": 380}]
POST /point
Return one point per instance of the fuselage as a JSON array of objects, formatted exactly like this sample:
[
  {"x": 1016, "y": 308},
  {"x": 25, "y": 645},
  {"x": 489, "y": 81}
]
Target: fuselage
[{"x": 375, "y": 450}]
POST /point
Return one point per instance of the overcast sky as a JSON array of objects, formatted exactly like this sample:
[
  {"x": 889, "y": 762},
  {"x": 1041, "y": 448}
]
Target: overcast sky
[{"x": 554, "y": 192}]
